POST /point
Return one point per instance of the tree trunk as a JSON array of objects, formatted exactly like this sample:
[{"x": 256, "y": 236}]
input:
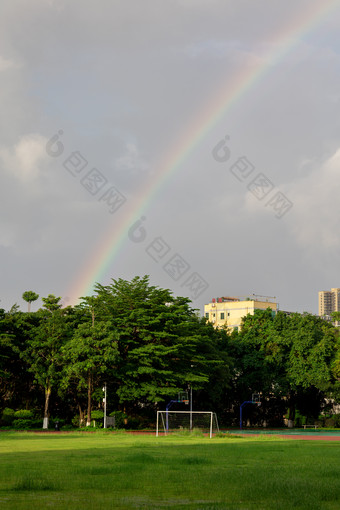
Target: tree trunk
[
  {"x": 89, "y": 403},
  {"x": 291, "y": 411},
  {"x": 81, "y": 416},
  {"x": 47, "y": 399}
]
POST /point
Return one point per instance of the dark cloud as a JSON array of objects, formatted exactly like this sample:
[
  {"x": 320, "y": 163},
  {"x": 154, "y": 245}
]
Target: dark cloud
[{"x": 130, "y": 83}]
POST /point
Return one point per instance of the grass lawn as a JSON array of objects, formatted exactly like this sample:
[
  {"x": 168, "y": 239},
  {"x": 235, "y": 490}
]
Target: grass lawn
[{"x": 119, "y": 471}]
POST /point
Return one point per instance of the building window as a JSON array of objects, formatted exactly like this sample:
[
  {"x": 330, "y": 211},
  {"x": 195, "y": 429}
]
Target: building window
[
  {"x": 222, "y": 316},
  {"x": 207, "y": 315}
]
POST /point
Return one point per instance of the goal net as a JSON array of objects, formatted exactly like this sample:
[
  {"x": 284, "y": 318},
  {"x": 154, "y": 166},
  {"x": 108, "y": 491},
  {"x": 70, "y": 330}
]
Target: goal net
[{"x": 186, "y": 421}]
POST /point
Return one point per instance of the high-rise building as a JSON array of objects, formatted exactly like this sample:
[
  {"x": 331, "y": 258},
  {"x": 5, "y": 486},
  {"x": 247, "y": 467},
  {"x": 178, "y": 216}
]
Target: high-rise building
[
  {"x": 229, "y": 311},
  {"x": 329, "y": 301}
]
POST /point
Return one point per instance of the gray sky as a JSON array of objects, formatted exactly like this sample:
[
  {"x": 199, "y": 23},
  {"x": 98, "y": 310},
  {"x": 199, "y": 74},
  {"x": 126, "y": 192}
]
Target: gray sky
[{"x": 136, "y": 84}]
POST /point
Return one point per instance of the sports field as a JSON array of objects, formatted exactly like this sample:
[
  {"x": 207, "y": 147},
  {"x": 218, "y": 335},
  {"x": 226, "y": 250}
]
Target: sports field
[
  {"x": 122, "y": 471},
  {"x": 306, "y": 434}
]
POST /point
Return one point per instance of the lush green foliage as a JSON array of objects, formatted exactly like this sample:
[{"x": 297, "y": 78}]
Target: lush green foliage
[
  {"x": 140, "y": 340},
  {"x": 146, "y": 345},
  {"x": 289, "y": 359},
  {"x": 29, "y": 296}
]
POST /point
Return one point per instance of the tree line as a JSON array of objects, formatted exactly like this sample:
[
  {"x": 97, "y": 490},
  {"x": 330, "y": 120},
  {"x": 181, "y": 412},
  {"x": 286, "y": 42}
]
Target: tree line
[{"x": 146, "y": 345}]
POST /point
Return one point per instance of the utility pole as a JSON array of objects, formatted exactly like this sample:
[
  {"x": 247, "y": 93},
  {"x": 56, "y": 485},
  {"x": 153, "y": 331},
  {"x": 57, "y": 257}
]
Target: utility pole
[
  {"x": 190, "y": 407},
  {"x": 104, "y": 400}
]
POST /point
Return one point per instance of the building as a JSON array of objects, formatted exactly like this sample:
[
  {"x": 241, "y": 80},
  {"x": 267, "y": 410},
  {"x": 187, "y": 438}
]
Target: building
[
  {"x": 229, "y": 311},
  {"x": 329, "y": 301}
]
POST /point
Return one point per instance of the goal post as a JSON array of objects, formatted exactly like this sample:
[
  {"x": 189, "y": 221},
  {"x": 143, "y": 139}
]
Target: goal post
[{"x": 180, "y": 421}]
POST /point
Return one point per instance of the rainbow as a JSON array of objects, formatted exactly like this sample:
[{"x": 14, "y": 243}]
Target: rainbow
[{"x": 283, "y": 43}]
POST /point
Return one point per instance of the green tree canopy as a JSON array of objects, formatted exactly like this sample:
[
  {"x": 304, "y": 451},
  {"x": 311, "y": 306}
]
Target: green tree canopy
[
  {"x": 163, "y": 346},
  {"x": 284, "y": 356},
  {"x": 29, "y": 296},
  {"x": 92, "y": 351},
  {"x": 43, "y": 352}
]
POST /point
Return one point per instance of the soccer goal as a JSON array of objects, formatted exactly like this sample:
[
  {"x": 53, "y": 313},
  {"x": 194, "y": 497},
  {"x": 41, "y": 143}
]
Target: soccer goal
[{"x": 176, "y": 421}]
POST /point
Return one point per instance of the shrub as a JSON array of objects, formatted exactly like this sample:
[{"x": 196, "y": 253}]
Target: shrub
[
  {"x": 7, "y": 416},
  {"x": 120, "y": 419},
  {"x": 24, "y": 414},
  {"x": 37, "y": 423},
  {"x": 97, "y": 415},
  {"x": 336, "y": 418},
  {"x": 329, "y": 423},
  {"x": 68, "y": 426},
  {"x": 21, "y": 424},
  {"x": 97, "y": 424},
  {"x": 76, "y": 421},
  {"x": 133, "y": 423}
]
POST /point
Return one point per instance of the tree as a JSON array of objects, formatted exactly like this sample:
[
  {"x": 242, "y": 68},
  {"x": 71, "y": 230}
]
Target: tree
[
  {"x": 162, "y": 345},
  {"x": 29, "y": 296},
  {"x": 4, "y": 342},
  {"x": 258, "y": 352},
  {"x": 43, "y": 350},
  {"x": 91, "y": 352},
  {"x": 214, "y": 346},
  {"x": 313, "y": 350},
  {"x": 89, "y": 355},
  {"x": 52, "y": 303},
  {"x": 16, "y": 383},
  {"x": 336, "y": 318},
  {"x": 285, "y": 356}
]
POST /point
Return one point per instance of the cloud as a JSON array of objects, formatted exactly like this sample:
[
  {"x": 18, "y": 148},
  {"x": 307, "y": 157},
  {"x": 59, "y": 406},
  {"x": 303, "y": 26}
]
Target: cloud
[
  {"x": 7, "y": 235},
  {"x": 24, "y": 159},
  {"x": 6, "y": 64},
  {"x": 131, "y": 82},
  {"x": 315, "y": 217},
  {"x": 131, "y": 160}
]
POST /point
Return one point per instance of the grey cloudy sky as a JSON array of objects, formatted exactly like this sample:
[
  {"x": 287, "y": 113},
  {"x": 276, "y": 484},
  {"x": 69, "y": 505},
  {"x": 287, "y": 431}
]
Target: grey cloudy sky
[{"x": 128, "y": 82}]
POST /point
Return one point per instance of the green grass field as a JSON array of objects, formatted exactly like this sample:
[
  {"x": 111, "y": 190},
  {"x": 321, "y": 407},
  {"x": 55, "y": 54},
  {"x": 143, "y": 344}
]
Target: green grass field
[{"x": 119, "y": 471}]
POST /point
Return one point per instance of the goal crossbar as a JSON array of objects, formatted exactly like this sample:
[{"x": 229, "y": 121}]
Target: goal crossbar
[{"x": 165, "y": 421}]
